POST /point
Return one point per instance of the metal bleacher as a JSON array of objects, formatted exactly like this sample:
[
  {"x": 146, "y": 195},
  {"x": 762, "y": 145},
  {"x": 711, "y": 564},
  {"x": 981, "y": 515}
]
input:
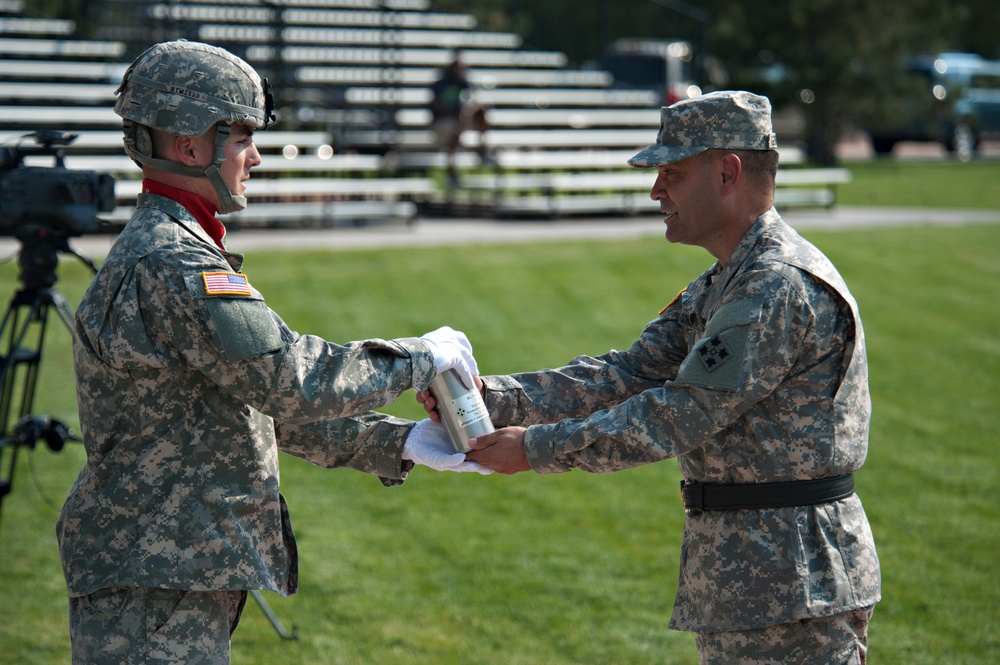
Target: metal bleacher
[{"x": 352, "y": 81}]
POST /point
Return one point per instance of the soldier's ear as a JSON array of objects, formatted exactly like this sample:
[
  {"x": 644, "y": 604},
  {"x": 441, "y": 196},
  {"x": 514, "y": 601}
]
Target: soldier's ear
[
  {"x": 194, "y": 150},
  {"x": 184, "y": 149},
  {"x": 730, "y": 171}
]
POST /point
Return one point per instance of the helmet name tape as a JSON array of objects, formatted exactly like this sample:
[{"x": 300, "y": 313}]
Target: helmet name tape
[
  {"x": 246, "y": 112},
  {"x": 184, "y": 92}
]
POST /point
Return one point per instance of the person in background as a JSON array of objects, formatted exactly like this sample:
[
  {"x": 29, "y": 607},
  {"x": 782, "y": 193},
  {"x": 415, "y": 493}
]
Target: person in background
[
  {"x": 755, "y": 377},
  {"x": 189, "y": 385},
  {"x": 454, "y": 110}
]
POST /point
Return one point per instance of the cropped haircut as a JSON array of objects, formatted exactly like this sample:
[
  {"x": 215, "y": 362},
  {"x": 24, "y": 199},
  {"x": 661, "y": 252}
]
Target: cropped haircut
[{"x": 760, "y": 166}]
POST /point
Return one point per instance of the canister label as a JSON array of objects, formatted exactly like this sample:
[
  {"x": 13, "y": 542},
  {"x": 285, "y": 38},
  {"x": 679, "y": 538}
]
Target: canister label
[{"x": 469, "y": 410}]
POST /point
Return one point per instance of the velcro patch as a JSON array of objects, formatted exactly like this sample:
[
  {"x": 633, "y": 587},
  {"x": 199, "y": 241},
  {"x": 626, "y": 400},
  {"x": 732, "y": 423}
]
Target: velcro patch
[
  {"x": 226, "y": 284},
  {"x": 720, "y": 359}
]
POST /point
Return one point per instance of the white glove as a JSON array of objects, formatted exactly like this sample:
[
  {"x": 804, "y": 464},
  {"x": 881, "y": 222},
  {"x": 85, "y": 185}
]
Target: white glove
[
  {"x": 452, "y": 350},
  {"x": 428, "y": 443}
]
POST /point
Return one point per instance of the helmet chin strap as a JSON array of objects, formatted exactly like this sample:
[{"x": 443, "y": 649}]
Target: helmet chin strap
[{"x": 228, "y": 201}]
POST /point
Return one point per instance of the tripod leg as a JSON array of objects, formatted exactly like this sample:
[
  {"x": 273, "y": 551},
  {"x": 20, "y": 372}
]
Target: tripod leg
[
  {"x": 28, "y": 309},
  {"x": 7, "y": 481},
  {"x": 62, "y": 308},
  {"x": 14, "y": 356},
  {"x": 19, "y": 365},
  {"x": 272, "y": 617}
]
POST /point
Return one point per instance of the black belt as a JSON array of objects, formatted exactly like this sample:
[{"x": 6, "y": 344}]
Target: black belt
[{"x": 701, "y": 496}]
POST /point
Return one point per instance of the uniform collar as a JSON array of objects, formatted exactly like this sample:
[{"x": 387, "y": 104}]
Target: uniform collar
[
  {"x": 746, "y": 246},
  {"x": 200, "y": 208},
  {"x": 182, "y": 217}
]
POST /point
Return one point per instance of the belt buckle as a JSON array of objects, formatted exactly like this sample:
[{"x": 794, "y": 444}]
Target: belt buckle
[{"x": 692, "y": 496}]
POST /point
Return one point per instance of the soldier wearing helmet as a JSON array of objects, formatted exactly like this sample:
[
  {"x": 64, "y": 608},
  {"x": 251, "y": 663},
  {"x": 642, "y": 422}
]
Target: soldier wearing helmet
[
  {"x": 186, "y": 89},
  {"x": 189, "y": 385}
]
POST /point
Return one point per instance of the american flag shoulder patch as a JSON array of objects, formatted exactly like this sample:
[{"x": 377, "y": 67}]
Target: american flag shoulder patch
[{"x": 226, "y": 283}]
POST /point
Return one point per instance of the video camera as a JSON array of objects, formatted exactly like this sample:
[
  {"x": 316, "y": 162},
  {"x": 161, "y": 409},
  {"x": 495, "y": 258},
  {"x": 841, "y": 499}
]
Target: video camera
[
  {"x": 53, "y": 200},
  {"x": 42, "y": 207}
]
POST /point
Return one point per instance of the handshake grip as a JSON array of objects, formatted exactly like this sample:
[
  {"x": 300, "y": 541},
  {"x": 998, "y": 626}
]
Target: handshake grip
[{"x": 461, "y": 408}]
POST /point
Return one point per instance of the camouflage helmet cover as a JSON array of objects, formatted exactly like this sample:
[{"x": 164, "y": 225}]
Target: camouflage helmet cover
[{"x": 184, "y": 88}]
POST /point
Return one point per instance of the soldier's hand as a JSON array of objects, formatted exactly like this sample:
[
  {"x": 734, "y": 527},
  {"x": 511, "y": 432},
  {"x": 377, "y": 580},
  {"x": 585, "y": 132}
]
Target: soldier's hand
[
  {"x": 429, "y": 444},
  {"x": 426, "y": 399},
  {"x": 452, "y": 350},
  {"x": 502, "y": 451}
]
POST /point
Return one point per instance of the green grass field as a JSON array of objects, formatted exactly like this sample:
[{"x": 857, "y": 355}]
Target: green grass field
[
  {"x": 934, "y": 184},
  {"x": 577, "y": 568}
]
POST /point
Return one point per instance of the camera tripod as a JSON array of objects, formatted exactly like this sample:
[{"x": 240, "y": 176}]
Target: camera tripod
[{"x": 22, "y": 337}]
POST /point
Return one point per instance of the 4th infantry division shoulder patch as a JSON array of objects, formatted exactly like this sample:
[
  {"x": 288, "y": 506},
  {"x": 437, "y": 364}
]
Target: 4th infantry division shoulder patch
[
  {"x": 713, "y": 353},
  {"x": 226, "y": 284}
]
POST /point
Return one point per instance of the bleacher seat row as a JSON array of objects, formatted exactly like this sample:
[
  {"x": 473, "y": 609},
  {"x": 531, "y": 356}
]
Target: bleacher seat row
[{"x": 353, "y": 82}]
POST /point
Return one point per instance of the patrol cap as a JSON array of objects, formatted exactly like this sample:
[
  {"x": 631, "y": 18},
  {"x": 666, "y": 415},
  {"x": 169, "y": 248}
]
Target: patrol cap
[{"x": 729, "y": 119}]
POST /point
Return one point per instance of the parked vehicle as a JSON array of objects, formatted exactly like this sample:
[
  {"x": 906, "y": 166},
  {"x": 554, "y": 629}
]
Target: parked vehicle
[
  {"x": 661, "y": 66},
  {"x": 960, "y": 110}
]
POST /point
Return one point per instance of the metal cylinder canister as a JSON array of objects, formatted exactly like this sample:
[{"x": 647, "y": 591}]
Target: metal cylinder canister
[{"x": 462, "y": 409}]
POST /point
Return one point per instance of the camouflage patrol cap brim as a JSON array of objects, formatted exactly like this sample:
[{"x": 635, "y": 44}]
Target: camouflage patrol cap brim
[
  {"x": 185, "y": 88},
  {"x": 734, "y": 120}
]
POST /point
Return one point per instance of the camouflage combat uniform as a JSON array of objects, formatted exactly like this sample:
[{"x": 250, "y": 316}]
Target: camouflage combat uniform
[
  {"x": 756, "y": 373},
  {"x": 188, "y": 386}
]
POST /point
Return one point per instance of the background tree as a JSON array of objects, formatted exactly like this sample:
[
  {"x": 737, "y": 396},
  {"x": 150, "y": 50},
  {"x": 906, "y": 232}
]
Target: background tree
[
  {"x": 976, "y": 28},
  {"x": 836, "y": 60}
]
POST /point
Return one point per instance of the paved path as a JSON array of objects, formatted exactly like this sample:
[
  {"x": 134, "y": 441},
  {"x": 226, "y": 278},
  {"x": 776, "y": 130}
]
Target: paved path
[
  {"x": 443, "y": 231},
  {"x": 452, "y": 231}
]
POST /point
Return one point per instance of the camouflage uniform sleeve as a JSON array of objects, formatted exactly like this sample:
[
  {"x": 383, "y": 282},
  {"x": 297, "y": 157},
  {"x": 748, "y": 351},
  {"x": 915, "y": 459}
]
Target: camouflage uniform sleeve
[
  {"x": 748, "y": 346},
  {"x": 586, "y": 383},
  {"x": 371, "y": 443},
  {"x": 245, "y": 348}
]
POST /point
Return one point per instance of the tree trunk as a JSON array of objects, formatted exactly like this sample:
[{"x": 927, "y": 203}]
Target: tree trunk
[{"x": 822, "y": 133}]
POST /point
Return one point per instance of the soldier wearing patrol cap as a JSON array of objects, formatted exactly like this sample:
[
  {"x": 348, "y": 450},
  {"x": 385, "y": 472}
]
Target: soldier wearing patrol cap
[
  {"x": 755, "y": 378},
  {"x": 189, "y": 385}
]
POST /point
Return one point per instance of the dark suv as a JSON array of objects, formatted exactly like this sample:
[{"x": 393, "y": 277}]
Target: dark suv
[{"x": 961, "y": 109}]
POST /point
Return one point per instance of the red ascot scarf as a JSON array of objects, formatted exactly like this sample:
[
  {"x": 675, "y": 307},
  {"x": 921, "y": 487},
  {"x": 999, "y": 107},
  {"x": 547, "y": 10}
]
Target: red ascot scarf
[{"x": 202, "y": 209}]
